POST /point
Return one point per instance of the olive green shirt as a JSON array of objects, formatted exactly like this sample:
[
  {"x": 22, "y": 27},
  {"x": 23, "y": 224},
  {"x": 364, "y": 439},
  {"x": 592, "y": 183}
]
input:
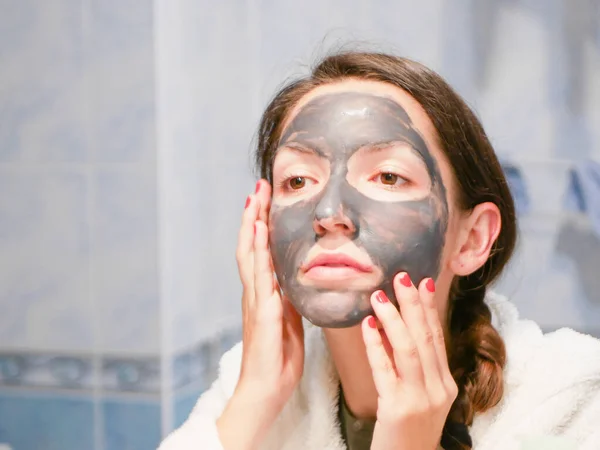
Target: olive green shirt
[{"x": 357, "y": 433}]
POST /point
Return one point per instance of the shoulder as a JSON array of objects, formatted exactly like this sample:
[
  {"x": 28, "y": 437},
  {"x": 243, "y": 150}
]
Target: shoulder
[
  {"x": 551, "y": 381},
  {"x": 570, "y": 357}
]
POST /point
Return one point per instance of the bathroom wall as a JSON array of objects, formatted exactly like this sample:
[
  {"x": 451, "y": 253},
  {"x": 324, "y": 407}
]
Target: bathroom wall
[{"x": 125, "y": 136}]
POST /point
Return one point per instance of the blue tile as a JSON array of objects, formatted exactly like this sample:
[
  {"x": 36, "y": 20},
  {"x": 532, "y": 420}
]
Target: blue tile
[
  {"x": 131, "y": 424},
  {"x": 46, "y": 422},
  {"x": 193, "y": 366},
  {"x": 518, "y": 188},
  {"x": 184, "y": 403},
  {"x": 575, "y": 198}
]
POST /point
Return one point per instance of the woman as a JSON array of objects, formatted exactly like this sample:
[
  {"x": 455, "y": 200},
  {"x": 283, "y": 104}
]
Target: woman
[{"x": 385, "y": 215}]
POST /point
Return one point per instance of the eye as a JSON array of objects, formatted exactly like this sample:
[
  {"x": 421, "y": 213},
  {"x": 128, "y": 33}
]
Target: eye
[
  {"x": 297, "y": 183},
  {"x": 390, "y": 179}
]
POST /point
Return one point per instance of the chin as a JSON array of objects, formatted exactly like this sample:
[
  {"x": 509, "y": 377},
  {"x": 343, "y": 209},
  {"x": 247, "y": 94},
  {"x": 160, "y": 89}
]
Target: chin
[{"x": 334, "y": 309}]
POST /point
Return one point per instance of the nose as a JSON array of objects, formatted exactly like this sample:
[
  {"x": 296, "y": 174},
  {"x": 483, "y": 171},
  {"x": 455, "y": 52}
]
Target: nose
[{"x": 332, "y": 215}]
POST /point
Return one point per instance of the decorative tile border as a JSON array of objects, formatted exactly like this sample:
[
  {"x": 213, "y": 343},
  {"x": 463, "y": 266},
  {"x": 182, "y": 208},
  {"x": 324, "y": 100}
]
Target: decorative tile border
[
  {"x": 130, "y": 374},
  {"x": 57, "y": 371},
  {"x": 201, "y": 363},
  {"x": 198, "y": 365}
]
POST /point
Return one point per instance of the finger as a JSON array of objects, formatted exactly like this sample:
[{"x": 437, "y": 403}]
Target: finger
[
  {"x": 263, "y": 194},
  {"x": 385, "y": 376},
  {"x": 413, "y": 313},
  {"x": 293, "y": 320},
  {"x": 267, "y": 299},
  {"x": 427, "y": 291},
  {"x": 246, "y": 237},
  {"x": 406, "y": 354},
  {"x": 244, "y": 257}
]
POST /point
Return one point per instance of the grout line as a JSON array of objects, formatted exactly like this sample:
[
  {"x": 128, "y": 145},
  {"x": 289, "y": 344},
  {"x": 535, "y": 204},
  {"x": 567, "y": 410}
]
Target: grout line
[
  {"x": 164, "y": 329},
  {"x": 88, "y": 168},
  {"x": 41, "y": 391},
  {"x": 29, "y": 166}
]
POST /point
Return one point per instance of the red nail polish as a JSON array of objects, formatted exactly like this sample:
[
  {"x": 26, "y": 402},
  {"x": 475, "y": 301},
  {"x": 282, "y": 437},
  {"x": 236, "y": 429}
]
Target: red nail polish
[
  {"x": 381, "y": 297},
  {"x": 257, "y": 187},
  {"x": 371, "y": 322},
  {"x": 247, "y": 202},
  {"x": 405, "y": 280},
  {"x": 430, "y": 285}
]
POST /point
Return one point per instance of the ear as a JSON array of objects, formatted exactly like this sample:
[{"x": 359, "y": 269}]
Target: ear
[{"x": 480, "y": 229}]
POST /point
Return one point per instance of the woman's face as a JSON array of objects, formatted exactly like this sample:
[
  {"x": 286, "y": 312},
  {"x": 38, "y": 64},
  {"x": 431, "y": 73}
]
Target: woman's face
[{"x": 360, "y": 193}]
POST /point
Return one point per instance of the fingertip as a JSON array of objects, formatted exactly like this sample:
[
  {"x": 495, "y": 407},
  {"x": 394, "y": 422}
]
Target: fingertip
[
  {"x": 379, "y": 297},
  {"x": 403, "y": 280},
  {"x": 427, "y": 291},
  {"x": 369, "y": 324},
  {"x": 430, "y": 285},
  {"x": 249, "y": 201}
]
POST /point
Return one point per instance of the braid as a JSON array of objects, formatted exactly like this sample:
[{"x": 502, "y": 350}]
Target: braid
[{"x": 477, "y": 360}]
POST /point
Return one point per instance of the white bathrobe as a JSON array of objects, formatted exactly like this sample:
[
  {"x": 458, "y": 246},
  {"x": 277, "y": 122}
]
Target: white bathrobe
[{"x": 552, "y": 388}]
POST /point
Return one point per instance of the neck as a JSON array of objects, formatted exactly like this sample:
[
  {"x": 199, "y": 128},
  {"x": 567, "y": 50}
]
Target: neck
[{"x": 350, "y": 358}]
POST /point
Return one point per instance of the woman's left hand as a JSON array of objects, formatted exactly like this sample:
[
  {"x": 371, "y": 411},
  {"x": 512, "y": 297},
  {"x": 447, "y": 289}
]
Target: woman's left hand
[{"x": 410, "y": 368}]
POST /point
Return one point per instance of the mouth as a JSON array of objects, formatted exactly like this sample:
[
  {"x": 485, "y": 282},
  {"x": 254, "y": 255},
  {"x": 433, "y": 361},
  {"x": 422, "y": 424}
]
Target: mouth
[{"x": 334, "y": 266}]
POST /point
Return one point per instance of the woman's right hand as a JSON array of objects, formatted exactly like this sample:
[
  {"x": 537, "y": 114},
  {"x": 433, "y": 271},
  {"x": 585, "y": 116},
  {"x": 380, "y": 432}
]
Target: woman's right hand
[{"x": 273, "y": 336}]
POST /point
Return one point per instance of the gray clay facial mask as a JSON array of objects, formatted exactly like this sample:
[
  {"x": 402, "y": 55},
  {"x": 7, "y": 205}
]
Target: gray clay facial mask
[{"x": 398, "y": 236}]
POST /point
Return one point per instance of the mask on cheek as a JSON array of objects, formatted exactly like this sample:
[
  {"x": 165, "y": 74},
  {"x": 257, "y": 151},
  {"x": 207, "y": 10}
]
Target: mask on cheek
[{"x": 393, "y": 236}]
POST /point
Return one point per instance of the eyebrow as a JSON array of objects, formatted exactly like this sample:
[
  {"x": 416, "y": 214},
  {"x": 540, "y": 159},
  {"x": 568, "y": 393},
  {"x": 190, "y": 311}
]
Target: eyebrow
[
  {"x": 299, "y": 148},
  {"x": 386, "y": 145}
]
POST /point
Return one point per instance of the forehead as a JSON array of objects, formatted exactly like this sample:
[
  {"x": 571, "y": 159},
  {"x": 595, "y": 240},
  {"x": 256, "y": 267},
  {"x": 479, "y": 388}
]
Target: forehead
[{"x": 388, "y": 95}]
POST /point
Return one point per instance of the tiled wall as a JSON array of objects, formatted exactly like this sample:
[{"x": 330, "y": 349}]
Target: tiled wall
[{"x": 125, "y": 137}]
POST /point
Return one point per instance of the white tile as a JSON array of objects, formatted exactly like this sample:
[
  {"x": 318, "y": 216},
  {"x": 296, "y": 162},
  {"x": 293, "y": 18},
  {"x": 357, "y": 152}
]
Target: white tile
[
  {"x": 124, "y": 261},
  {"x": 120, "y": 80},
  {"x": 41, "y": 82},
  {"x": 514, "y": 104},
  {"x": 546, "y": 184},
  {"x": 421, "y": 34},
  {"x": 44, "y": 268}
]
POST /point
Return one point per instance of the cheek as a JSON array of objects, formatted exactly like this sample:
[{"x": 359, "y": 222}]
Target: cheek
[
  {"x": 455, "y": 236},
  {"x": 389, "y": 221},
  {"x": 288, "y": 221},
  {"x": 407, "y": 235},
  {"x": 290, "y": 229}
]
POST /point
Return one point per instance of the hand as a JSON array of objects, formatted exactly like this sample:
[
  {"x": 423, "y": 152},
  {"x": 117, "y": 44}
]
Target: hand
[
  {"x": 273, "y": 336},
  {"x": 410, "y": 368}
]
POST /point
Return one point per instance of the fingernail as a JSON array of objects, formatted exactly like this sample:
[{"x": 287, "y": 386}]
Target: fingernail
[
  {"x": 381, "y": 297},
  {"x": 405, "y": 280},
  {"x": 371, "y": 322},
  {"x": 430, "y": 285},
  {"x": 257, "y": 187},
  {"x": 247, "y": 202}
]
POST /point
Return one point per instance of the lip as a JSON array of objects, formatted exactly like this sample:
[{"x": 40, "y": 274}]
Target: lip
[{"x": 336, "y": 261}]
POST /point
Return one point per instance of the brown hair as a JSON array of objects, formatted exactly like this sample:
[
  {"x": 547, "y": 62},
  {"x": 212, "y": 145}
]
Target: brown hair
[{"x": 476, "y": 350}]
